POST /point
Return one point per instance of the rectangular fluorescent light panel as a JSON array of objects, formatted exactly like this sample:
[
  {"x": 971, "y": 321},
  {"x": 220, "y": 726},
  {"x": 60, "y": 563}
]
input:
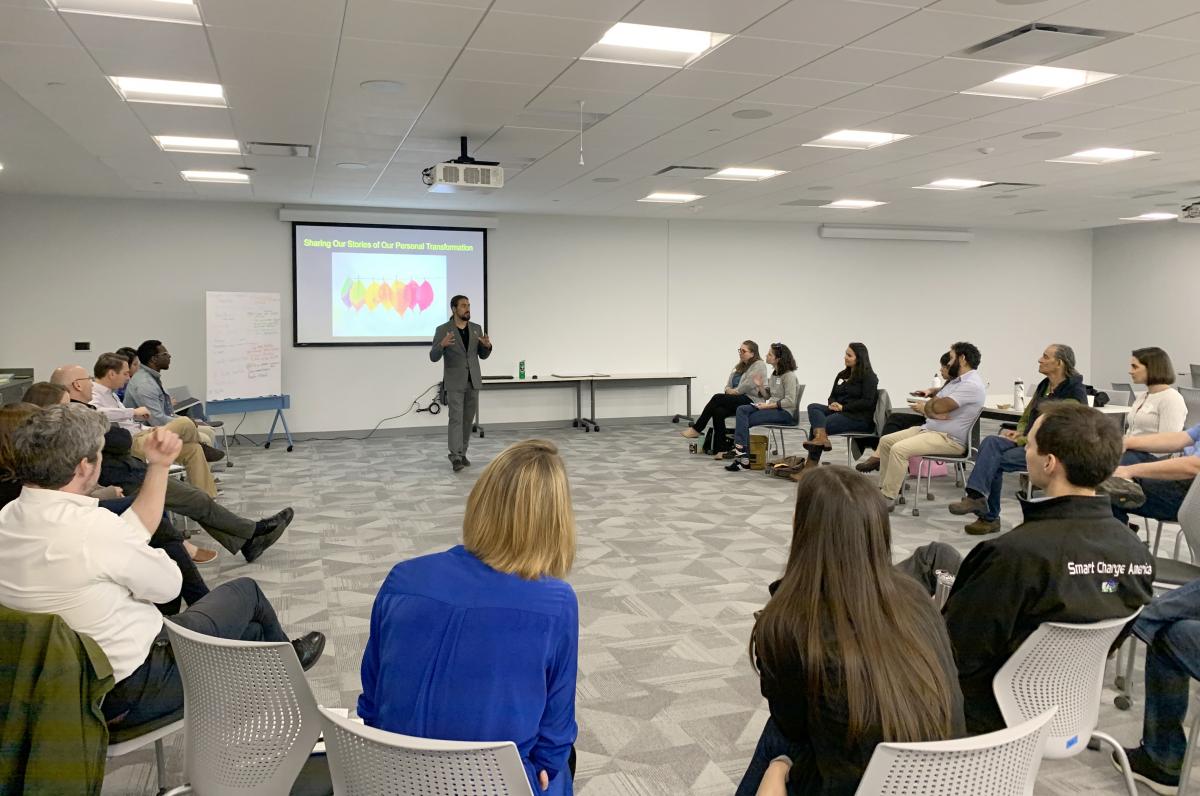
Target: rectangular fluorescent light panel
[
  {"x": 1039, "y": 82},
  {"x": 1152, "y": 217},
  {"x": 856, "y": 139},
  {"x": 954, "y": 184},
  {"x": 203, "y": 146},
  {"x": 1098, "y": 157},
  {"x": 853, "y": 204},
  {"x": 651, "y": 45},
  {"x": 671, "y": 198},
  {"x": 745, "y": 175},
  {"x": 216, "y": 176},
  {"x": 169, "y": 92},
  {"x": 180, "y": 11}
]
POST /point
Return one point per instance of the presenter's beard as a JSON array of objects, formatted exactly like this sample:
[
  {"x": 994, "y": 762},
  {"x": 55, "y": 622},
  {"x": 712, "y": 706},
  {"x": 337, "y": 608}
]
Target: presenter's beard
[{"x": 466, "y": 316}]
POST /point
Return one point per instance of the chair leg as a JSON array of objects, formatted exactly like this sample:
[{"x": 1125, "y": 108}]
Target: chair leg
[
  {"x": 1185, "y": 774},
  {"x": 1126, "y": 771},
  {"x": 1157, "y": 537}
]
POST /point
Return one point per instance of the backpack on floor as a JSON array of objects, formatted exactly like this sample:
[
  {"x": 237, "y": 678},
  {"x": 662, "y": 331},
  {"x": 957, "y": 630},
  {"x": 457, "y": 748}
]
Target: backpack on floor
[{"x": 714, "y": 445}]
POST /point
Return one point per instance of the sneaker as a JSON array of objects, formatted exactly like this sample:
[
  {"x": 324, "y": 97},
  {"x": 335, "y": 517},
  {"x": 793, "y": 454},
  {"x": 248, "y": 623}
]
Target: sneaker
[
  {"x": 466, "y": 462},
  {"x": 968, "y": 505},
  {"x": 309, "y": 648},
  {"x": 982, "y": 527},
  {"x": 1147, "y": 772},
  {"x": 690, "y": 433},
  {"x": 211, "y": 454},
  {"x": 1122, "y": 492},
  {"x": 457, "y": 464},
  {"x": 869, "y": 466}
]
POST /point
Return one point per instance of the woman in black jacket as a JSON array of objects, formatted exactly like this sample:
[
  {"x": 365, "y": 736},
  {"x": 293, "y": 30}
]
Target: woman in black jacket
[{"x": 851, "y": 405}]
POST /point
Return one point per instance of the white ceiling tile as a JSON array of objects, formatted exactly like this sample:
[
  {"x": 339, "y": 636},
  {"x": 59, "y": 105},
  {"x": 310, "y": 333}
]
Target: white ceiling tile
[
  {"x": 952, "y": 74},
  {"x": 522, "y": 142},
  {"x": 312, "y": 17},
  {"x": 558, "y": 98},
  {"x": 802, "y": 91},
  {"x": 834, "y": 22},
  {"x": 857, "y": 65},
  {"x": 968, "y": 106},
  {"x": 601, "y": 10},
  {"x": 659, "y": 105},
  {"x": 480, "y": 103},
  {"x": 139, "y": 48},
  {"x": 1132, "y": 17},
  {"x": 1111, "y": 118},
  {"x": 1126, "y": 90},
  {"x": 719, "y": 16},
  {"x": 1034, "y": 113},
  {"x": 912, "y": 123},
  {"x": 536, "y": 35},
  {"x": 503, "y": 67},
  {"x": 935, "y": 33},
  {"x": 822, "y": 121},
  {"x": 605, "y": 76},
  {"x": 1021, "y": 12},
  {"x": 184, "y": 120},
  {"x": 891, "y": 99},
  {"x": 39, "y": 25},
  {"x": 709, "y": 85},
  {"x": 760, "y": 56},
  {"x": 1130, "y": 54},
  {"x": 1183, "y": 69},
  {"x": 977, "y": 129},
  {"x": 1181, "y": 99},
  {"x": 411, "y": 22},
  {"x": 360, "y": 60},
  {"x": 1186, "y": 28}
]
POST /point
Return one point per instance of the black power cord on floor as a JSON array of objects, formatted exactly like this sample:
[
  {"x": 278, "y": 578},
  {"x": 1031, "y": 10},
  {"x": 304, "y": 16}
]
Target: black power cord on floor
[{"x": 433, "y": 407}]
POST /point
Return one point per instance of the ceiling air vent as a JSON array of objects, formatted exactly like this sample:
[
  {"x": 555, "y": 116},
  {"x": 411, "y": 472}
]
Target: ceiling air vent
[
  {"x": 1038, "y": 43},
  {"x": 684, "y": 171},
  {"x": 278, "y": 150}
]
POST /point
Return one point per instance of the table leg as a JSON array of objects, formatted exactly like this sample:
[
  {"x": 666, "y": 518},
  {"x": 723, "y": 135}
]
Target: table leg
[
  {"x": 286, "y": 432},
  {"x": 688, "y": 417},
  {"x": 271, "y": 433},
  {"x": 578, "y": 421}
]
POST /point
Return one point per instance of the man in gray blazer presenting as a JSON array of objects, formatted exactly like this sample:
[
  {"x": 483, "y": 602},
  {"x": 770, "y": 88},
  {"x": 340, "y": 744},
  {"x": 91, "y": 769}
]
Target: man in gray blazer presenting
[{"x": 460, "y": 344}]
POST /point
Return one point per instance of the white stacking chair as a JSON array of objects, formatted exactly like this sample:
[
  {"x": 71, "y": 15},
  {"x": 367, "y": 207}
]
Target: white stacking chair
[
  {"x": 779, "y": 443},
  {"x": 1191, "y": 397},
  {"x": 250, "y": 718},
  {"x": 119, "y": 746},
  {"x": 1001, "y": 763},
  {"x": 1122, "y": 388},
  {"x": 883, "y": 407},
  {"x": 1062, "y": 665},
  {"x": 364, "y": 761}
]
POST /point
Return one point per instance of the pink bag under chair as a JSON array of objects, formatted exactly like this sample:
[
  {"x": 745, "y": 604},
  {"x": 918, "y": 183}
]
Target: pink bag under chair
[{"x": 934, "y": 469}]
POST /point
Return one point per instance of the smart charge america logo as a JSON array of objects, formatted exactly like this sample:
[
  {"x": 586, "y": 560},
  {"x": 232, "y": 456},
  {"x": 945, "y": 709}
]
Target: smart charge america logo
[{"x": 1108, "y": 568}]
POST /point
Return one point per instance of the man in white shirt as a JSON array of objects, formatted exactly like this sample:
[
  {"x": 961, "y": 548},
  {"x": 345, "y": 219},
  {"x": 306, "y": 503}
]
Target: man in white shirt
[
  {"x": 61, "y": 553},
  {"x": 82, "y": 389}
]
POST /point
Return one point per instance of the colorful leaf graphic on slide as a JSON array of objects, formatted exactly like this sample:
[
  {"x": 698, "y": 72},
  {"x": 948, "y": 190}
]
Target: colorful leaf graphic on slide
[{"x": 399, "y": 296}]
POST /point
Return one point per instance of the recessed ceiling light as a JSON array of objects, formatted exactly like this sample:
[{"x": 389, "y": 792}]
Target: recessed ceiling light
[
  {"x": 181, "y": 11},
  {"x": 671, "y": 198},
  {"x": 652, "y": 45},
  {"x": 853, "y": 204},
  {"x": 1042, "y": 135},
  {"x": 745, "y": 175},
  {"x": 751, "y": 113},
  {"x": 1, "y": 167},
  {"x": 856, "y": 139},
  {"x": 954, "y": 184},
  {"x": 215, "y": 176},
  {"x": 204, "y": 146},
  {"x": 382, "y": 86},
  {"x": 1152, "y": 217},
  {"x": 1098, "y": 157},
  {"x": 169, "y": 92},
  {"x": 350, "y": 165},
  {"x": 1039, "y": 82}
]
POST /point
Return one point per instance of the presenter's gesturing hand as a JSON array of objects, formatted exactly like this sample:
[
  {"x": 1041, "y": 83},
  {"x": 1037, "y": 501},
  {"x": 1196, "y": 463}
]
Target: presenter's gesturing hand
[
  {"x": 485, "y": 341},
  {"x": 448, "y": 340}
]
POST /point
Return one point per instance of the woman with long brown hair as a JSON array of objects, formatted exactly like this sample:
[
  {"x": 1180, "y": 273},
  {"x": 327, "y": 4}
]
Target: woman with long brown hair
[{"x": 850, "y": 652}]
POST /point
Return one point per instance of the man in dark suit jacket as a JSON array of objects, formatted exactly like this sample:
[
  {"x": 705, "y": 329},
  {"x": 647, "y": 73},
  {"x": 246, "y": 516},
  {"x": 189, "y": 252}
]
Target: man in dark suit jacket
[{"x": 460, "y": 344}]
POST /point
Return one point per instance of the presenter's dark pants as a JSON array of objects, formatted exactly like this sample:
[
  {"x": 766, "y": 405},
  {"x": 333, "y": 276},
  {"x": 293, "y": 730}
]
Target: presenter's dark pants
[
  {"x": 464, "y": 405},
  {"x": 719, "y": 408},
  {"x": 234, "y": 610}
]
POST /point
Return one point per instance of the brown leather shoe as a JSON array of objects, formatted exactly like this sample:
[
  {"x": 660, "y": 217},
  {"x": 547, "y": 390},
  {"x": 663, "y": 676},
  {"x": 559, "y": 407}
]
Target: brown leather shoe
[
  {"x": 869, "y": 466},
  {"x": 202, "y": 556},
  {"x": 982, "y": 527}
]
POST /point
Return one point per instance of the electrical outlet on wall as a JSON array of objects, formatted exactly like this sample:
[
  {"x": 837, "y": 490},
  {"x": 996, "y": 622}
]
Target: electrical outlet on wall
[{"x": 83, "y": 346}]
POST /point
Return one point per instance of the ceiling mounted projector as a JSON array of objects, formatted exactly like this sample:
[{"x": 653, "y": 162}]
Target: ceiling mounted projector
[
  {"x": 464, "y": 173},
  {"x": 1190, "y": 214}
]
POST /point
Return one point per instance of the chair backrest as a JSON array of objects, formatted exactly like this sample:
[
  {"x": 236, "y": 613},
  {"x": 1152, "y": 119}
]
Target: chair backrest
[
  {"x": 364, "y": 761},
  {"x": 251, "y": 720},
  {"x": 1125, "y": 388},
  {"x": 1119, "y": 397},
  {"x": 1191, "y": 397},
  {"x": 1001, "y": 763},
  {"x": 1059, "y": 665},
  {"x": 883, "y": 408},
  {"x": 1195, "y": 375},
  {"x": 1189, "y": 518}
]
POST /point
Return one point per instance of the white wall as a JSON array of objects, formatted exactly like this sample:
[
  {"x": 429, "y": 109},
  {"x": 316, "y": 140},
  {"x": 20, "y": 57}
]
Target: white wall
[
  {"x": 616, "y": 295},
  {"x": 1146, "y": 278}
]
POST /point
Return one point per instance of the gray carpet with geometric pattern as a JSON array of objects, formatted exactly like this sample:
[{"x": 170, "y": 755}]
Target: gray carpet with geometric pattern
[{"x": 674, "y": 557}]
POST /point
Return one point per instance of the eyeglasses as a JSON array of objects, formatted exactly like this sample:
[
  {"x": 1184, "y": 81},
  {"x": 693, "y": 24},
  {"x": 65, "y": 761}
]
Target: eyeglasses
[{"x": 743, "y": 350}]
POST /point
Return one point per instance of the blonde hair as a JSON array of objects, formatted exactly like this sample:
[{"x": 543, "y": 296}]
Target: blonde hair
[{"x": 519, "y": 518}]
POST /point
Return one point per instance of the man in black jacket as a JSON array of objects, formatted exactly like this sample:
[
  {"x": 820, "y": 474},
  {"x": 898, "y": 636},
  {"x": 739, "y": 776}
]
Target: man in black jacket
[{"x": 1070, "y": 561}]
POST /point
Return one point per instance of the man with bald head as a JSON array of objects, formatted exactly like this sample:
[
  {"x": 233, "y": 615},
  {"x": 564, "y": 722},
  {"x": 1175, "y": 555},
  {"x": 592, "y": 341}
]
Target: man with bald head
[{"x": 79, "y": 386}]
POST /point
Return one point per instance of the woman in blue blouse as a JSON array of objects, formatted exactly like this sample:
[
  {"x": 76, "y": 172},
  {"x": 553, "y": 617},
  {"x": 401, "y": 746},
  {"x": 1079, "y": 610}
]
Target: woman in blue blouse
[{"x": 480, "y": 642}]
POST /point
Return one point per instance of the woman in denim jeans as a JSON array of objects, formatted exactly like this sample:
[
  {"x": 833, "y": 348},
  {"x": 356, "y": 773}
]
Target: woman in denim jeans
[{"x": 780, "y": 405}]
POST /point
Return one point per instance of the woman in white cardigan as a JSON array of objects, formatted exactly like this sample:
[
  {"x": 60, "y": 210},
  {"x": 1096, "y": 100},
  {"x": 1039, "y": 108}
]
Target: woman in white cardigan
[{"x": 1160, "y": 409}]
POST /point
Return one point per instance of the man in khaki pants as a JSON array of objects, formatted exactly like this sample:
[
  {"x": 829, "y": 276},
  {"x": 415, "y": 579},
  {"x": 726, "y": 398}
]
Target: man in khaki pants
[
  {"x": 947, "y": 431},
  {"x": 100, "y": 395}
]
